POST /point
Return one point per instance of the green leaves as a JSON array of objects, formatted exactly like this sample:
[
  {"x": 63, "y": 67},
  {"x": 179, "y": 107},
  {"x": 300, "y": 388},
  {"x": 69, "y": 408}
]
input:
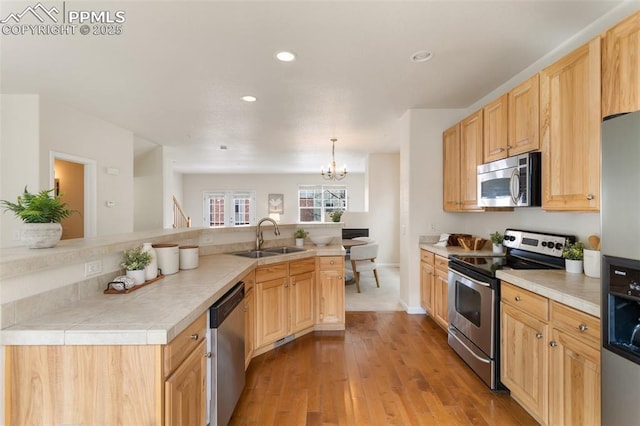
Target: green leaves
[{"x": 43, "y": 207}]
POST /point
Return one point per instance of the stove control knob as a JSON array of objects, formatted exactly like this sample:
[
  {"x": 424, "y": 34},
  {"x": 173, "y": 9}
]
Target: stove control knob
[
  {"x": 558, "y": 246},
  {"x": 543, "y": 244}
]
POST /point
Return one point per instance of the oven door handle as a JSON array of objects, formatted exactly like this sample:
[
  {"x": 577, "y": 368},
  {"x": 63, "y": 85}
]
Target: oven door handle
[
  {"x": 452, "y": 333},
  {"x": 471, "y": 279}
]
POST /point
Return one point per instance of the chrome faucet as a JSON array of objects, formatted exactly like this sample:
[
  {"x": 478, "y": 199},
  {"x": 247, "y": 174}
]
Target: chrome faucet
[{"x": 259, "y": 239}]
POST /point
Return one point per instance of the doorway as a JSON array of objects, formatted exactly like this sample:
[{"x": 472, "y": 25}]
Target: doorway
[{"x": 74, "y": 178}]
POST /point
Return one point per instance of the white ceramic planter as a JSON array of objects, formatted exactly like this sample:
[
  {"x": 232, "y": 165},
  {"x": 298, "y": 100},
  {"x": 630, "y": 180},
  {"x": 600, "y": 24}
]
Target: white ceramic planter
[
  {"x": 138, "y": 276},
  {"x": 41, "y": 235},
  {"x": 497, "y": 248},
  {"x": 299, "y": 242},
  {"x": 573, "y": 266}
]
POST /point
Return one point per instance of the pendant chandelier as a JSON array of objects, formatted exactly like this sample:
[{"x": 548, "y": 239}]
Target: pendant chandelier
[{"x": 333, "y": 173}]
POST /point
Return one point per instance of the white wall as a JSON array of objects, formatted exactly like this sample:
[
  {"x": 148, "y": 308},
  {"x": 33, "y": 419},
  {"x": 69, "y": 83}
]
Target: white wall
[
  {"x": 382, "y": 217},
  {"x": 19, "y": 151},
  {"x": 148, "y": 190},
  {"x": 69, "y": 131},
  {"x": 420, "y": 191},
  {"x": 194, "y": 185}
]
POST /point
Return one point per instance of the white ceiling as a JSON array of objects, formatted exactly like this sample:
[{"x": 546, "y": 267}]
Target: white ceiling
[{"x": 176, "y": 75}]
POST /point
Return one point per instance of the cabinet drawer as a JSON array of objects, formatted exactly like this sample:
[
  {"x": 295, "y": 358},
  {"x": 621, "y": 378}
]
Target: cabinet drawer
[
  {"x": 272, "y": 272},
  {"x": 427, "y": 257},
  {"x": 578, "y": 324},
  {"x": 301, "y": 266},
  {"x": 330, "y": 263},
  {"x": 529, "y": 302},
  {"x": 179, "y": 348},
  {"x": 442, "y": 263}
]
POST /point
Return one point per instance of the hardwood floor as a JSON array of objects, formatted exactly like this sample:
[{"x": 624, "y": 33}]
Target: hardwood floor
[{"x": 387, "y": 368}]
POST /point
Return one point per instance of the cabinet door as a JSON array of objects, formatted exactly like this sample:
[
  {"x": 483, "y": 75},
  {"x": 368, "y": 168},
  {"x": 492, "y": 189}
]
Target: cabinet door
[
  {"x": 495, "y": 129},
  {"x": 301, "y": 301},
  {"x": 570, "y": 131},
  {"x": 621, "y": 67},
  {"x": 524, "y": 117},
  {"x": 440, "y": 299},
  {"x": 471, "y": 131},
  {"x": 574, "y": 381},
  {"x": 451, "y": 168},
  {"x": 249, "y": 325},
  {"x": 271, "y": 311},
  {"x": 331, "y": 297},
  {"x": 426, "y": 286},
  {"x": 524, "y": 363},
  {"x": 185, "y": 397}
]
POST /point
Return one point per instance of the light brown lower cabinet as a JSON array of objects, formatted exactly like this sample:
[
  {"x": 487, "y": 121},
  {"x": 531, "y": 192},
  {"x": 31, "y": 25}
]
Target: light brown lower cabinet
[
  {"x": 110, "y": 384},
  {"x": 550, "y": 358},
  {"x": 427, "y": 277},
  {"x": 249, "y": 317},
  {"x": 441, "y": 292},
  {"x": 330, "y": 293}
]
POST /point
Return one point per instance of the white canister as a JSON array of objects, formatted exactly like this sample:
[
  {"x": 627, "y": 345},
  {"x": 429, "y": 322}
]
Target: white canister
[
  {"x": 151, "y": 271},
  {"x": 168, "y": 258},
  {"x": 189, "y": 257},
  {"x": 592, "y": 263}
]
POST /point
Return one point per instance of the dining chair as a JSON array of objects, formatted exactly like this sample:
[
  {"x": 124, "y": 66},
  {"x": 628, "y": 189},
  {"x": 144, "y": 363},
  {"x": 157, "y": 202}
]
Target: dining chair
[{"x": 363, "y": 258}]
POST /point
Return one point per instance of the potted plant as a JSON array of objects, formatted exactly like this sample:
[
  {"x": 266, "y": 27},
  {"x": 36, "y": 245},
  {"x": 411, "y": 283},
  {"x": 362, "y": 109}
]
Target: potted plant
[
  {"x": 573, "y": 254},
  {"x": 135, "y": 260},
  {"x": 496, "y": 239},
  {"x": 300, "y": 235},
  {"x": 41, "y": 214},
  {"x": 336, "y": 215}
]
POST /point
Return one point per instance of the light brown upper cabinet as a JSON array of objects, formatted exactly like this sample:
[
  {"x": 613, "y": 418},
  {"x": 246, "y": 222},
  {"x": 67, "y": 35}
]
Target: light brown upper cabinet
[
  {"x": 570, "y": 131},
  {"x": 451, "y": 168},
  {"x": 495, "y": 129},
  {"x": 524, "y": 108},
  {"x": 621, "y": 67},
  {"x": 471, "y": 134},
  {"x": 462, "y": 153}
]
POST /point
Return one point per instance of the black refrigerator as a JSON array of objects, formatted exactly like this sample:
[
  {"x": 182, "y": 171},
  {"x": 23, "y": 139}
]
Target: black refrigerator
[{"x": 620, "y": 248}]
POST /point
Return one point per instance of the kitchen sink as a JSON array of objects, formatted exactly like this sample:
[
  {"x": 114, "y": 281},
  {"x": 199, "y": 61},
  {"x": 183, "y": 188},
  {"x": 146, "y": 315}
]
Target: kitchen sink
[
  {"x": 284, "y": 250},
  {"x": 256, "y": 253}
]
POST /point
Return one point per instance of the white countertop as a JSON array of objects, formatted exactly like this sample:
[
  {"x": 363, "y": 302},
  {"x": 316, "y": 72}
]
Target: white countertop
[
  {"x": 575, "y": 290},
  {"x": 152, "y": 315}
]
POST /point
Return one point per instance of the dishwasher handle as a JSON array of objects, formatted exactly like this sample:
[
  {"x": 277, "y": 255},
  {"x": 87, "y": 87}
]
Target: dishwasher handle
[{"x": 225, "y": 305}]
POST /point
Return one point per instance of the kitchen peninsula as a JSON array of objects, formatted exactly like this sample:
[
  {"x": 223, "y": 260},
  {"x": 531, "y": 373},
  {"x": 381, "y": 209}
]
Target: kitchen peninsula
[{"x": 113, "y": 349}]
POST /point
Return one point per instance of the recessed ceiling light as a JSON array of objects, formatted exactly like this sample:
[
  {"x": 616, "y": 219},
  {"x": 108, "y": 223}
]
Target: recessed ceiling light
[
  {"x": 285, "y": 56},
  {"x": 421, "y": 56},
  {"x": 249, "y": 98}
]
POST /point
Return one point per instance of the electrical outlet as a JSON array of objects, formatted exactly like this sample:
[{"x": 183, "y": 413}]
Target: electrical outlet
[
  {"x": 433, "y": 226},
  {"x": 92, "y": 268}
]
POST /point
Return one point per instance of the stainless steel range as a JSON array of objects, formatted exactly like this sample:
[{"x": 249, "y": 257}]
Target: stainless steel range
[{"x": 474, "y": 293}]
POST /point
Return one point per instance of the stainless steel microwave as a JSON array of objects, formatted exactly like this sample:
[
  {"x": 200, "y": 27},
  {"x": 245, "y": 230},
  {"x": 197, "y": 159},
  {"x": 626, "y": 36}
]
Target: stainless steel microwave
[{"x": 510, "y": 182}]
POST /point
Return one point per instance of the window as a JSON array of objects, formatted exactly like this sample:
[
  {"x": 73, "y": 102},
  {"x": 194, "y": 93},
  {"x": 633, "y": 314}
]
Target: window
[
  {"x": 315, "y": 202},
  {"x": 229, "y": 208}
]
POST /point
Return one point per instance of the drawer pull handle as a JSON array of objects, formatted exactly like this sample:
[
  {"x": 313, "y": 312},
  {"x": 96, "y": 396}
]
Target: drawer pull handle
[
  {"x": 583, "y": 327},
  {"x": 538, "y": 335},
  {"x": 590, "y": 197},
  {"x": 518, "y": 298},
  {"x": 207, "y": 355},
  {"x": 553, "y": 344},
  {"x": 332, "y": 263},
  {"x": 194, "y": 336}
]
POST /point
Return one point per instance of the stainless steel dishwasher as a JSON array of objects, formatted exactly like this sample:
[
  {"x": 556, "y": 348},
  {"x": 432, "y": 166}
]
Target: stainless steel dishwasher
[{"x": 226, "y": 367}]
